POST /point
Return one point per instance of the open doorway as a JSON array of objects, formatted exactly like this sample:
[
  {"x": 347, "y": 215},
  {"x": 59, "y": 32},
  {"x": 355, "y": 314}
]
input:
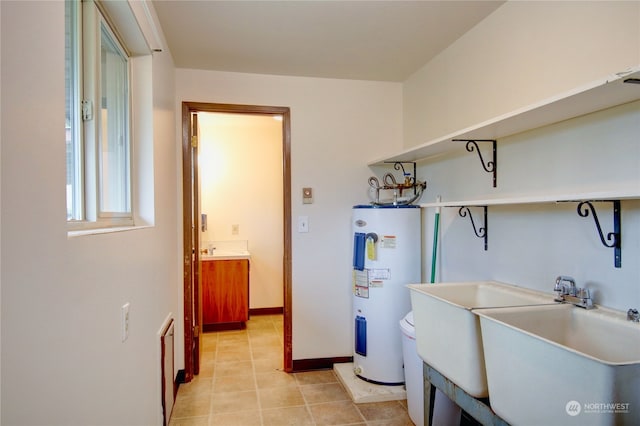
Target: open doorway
[{"x": 193, "y": 226}]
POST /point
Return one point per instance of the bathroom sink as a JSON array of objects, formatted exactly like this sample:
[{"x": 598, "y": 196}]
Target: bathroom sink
[
  {"x": 225, "y": 250},
  {"x": 562, "y": 365},
  {"x": 226, "y": 255},
  {"x": 448, "y": 331}
]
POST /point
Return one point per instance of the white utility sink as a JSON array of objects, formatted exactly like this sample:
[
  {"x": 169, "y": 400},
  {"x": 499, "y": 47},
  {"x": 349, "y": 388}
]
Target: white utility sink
[
  {"x": 562, "y": 365},
  {"x": 448, "y": 331}
]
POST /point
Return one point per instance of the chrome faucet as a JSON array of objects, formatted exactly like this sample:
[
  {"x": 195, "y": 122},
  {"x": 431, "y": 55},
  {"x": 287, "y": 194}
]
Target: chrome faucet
[
  {"x": 566, "y": 291},
  {"x": 561, "y": 289}
]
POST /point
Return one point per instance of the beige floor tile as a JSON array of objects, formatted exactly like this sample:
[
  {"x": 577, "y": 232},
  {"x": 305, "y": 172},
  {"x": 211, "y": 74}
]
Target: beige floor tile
[
  {"x": 232, "y": 354},
  {"x": 268, "y": 364},
  {"x": 264, "y": 337},
  {"x": 274, "y": 379},
  {"x": 234, "y": 368},
  {"x": 265, "y": 340},
  {"x": 232, "y": 336},
  {"x": 208, "y": 355},
  {"x": 390, "y": 410},
  {"x": 198, "y": 386},
  {"x": 190, "y": 421},
  {"x": 207, "y": 367},
  {"x": 238, "y": 340},
  {"x": 229, "y": 402},
  {"x": 209, "y": 338},
  {"x": 391, "y": 422},
  {"x": 192, "y": 406},
  {"x": 288, "y": 416},
  {"x": 209, "y": 346},
  {"x": 242, "y": 418},
  {"x": 256, "y": 323},
  {"x": 234, "y": 383},
  {"x": 286, "y": 396},
  {"x": 261, "y": 352},
  {"x": 335, "y": 413},
  {"x": 242, "y": 383},
  {"x": 324, "y": 392},
  {"x": 238, "y": 344},
  {"x": 315, "y": 377},
  {"x": 263, "y": 326}
]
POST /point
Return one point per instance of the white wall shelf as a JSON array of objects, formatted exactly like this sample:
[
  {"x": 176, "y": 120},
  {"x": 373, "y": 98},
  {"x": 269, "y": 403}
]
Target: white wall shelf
[
  {"x": 601, "y": 94},
  {"x": 617, "y": 194},
  {"x": 584, "y": 200},
  {"x": 613, "y": 90}
]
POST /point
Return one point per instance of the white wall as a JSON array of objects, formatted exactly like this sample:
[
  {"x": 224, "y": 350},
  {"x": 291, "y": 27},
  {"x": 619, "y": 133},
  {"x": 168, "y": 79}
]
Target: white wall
[
  {"x": 62, "y": 358},
  {"x": 523, "y": 53},
  {"x": 0, "y": 244},
  {"x": 336, "y": 126},
  {"x": 240, "y": 166}
]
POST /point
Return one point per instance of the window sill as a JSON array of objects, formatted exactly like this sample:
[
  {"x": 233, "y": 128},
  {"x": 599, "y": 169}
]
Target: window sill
[{"x": 96, "y": 231}]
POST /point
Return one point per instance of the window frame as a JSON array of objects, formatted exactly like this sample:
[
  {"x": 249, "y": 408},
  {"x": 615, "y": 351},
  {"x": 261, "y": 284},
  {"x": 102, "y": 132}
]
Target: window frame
[
  {"x": 91, "y": 21},
  {"x": 74, "y": 125}
]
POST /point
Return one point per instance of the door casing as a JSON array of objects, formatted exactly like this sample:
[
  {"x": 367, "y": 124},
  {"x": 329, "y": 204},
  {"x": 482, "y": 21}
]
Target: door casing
[{"x": 192, "y": 305}]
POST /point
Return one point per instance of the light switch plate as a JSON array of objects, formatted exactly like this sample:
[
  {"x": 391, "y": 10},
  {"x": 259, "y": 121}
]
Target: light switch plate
[{"x": 303, "y": 223}]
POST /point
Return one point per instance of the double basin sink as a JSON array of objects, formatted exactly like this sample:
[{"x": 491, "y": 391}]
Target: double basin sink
[{"x": 539, "y": 361}]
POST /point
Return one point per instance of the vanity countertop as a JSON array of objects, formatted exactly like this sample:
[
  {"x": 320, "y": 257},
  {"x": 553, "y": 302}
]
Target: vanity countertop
[{"x": 226, "y": 255}]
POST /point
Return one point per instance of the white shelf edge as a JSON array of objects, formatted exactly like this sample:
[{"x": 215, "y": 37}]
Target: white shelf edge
[
  {"x": 539, "y": 199},
  {"x": 598, "y": 95}
]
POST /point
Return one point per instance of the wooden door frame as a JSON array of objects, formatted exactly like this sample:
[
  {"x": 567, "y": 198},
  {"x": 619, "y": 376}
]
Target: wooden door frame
[
  {"x": 190, "y": 240},
  {"x": 187, "y": 109}
]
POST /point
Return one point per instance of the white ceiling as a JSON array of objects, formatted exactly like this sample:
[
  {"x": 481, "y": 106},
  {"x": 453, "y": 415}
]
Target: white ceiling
[{"x": 363, "y": 40}]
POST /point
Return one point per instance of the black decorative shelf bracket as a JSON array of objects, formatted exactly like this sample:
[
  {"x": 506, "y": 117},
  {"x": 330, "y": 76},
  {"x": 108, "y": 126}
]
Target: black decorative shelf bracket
[
  {"x": 398, "y": 165},
  {"x": 480, "y": 232},
  {"x": 489, "y": 166},
  {"x": 614, "y": 239}
]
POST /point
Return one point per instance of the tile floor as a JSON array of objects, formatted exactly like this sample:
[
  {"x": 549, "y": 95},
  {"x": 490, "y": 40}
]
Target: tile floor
[{"x": 241, "y": 382}]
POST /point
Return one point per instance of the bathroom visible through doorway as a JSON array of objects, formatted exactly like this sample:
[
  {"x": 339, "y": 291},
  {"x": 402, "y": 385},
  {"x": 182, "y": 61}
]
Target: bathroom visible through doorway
[{"x": 243, "y": 187}]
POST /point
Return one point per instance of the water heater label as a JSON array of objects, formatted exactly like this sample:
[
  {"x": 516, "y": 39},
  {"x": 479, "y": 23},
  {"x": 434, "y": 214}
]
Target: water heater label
[
  {"x": 379, "y": 274},
  {"x": 361, "y": 283},
  {"x": 388, "y": 241}
]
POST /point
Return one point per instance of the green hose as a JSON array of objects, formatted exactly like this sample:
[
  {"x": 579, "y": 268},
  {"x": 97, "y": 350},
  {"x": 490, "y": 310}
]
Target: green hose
[{"x": 434, "y": 253}]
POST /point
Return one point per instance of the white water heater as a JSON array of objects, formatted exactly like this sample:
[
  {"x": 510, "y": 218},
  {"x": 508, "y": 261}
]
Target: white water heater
[{"x": 386, "y": 257}]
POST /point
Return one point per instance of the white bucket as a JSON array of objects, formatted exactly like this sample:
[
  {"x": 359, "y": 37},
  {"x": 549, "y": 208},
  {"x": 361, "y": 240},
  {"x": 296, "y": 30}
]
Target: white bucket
[{"x": 445, "y": 411}]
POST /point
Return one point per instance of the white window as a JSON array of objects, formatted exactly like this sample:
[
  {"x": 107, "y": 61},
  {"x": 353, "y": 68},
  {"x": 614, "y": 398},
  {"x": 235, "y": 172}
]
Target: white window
[{"x": 98, "y": 121}]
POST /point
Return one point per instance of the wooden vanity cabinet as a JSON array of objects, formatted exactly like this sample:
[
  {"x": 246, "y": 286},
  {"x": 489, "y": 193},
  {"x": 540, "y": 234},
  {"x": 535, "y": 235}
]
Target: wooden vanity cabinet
[{"x": 225, "y": 291}]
